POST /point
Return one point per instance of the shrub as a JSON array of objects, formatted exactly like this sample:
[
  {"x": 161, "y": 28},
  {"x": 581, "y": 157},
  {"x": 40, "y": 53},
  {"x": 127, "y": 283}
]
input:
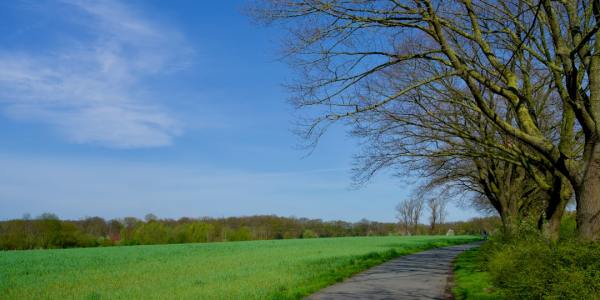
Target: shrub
[
  {"x": 534, "y": 269},
  {"x": 241, "y": 234},
  {"x": 568, "y": 226},
  {"x": 309, "y": 234},
  {"x": 195, "y": 232},
  {"x": 151, "y": 233}
]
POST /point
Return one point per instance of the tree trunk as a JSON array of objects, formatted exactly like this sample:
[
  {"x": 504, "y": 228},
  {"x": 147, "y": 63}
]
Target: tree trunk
[
  {"x": 559, "y": 197},
  {"x": 509, "y": 223},
  {"x": 551, "y": 230},
  {"x": 588, "y": 196},
  {"x": 588, "y": 190}
]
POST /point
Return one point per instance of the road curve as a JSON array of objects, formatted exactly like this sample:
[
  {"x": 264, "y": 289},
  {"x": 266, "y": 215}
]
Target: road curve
[{"x": 422, "y": 275}]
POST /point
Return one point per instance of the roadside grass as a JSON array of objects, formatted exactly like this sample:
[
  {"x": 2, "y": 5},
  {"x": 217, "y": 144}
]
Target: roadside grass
[
  {"x": 471, "y": 281},
  {"x": 279, "y": 269}
]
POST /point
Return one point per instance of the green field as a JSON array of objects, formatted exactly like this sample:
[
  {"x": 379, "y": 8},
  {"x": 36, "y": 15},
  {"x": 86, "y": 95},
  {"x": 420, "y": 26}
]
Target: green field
[{"x": 255, "y": 269}]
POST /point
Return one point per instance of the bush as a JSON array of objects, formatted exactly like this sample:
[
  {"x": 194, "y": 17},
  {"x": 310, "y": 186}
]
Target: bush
[
  {"x": 534, "y": 269},
  {"x": 568, "y": 226},
  {"x": 241, "y": 234},
  {"x": 151, "y": 233},
  {"x": 195, "y": 232},
  {"x": 309, "y": 234}
]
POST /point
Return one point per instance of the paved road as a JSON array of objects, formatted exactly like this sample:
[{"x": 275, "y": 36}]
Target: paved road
[{"x": 422, "y": 275}]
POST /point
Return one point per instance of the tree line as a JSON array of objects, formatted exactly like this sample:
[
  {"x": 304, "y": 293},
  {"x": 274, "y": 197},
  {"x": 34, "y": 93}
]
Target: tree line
[
  {"x": 497, "y": 102},
  {"x": 48, "y": 231}
]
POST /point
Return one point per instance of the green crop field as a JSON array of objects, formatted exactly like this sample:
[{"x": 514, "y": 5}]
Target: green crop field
[{"x": 234, "y": 270}]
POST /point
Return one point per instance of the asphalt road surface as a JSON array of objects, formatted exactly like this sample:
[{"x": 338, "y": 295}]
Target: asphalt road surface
[{"x": 422, "y": 275}]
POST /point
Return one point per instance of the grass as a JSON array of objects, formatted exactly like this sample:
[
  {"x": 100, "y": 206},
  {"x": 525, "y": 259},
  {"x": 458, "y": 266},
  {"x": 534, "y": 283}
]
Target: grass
[
  {"x": 470, "y": 280},
  {"x": 282, "y": 269}
]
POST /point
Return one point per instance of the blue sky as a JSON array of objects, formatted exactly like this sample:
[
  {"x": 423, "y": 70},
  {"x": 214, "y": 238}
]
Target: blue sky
[{"x": 168, "y": 107}]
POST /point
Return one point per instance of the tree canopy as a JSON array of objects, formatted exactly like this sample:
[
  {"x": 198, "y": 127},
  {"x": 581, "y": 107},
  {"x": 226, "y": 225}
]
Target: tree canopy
[{"x": 499, "y": 86}]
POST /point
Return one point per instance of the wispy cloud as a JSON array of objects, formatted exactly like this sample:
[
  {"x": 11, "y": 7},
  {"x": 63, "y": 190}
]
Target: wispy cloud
[{"x": 92, "y": 88}]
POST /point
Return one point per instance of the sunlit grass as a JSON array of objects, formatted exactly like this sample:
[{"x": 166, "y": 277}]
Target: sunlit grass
[
  {"x": 470, "y": 280},
  {"x": 235, "y": 270}
]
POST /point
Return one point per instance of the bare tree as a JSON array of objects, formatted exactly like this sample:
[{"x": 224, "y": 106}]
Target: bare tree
[
  {"x": 494, "y": 185},
  {"x": 404, "y": 215},
  {"x": 409, "y": 212},
  {"x": 437, "y": 211},
  {"x": 463, "y": 162},
  {"x": 531, "y": 69}
]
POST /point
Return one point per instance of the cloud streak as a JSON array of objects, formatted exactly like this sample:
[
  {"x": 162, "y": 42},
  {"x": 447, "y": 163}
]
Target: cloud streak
[{"x": 93, "y": 88}]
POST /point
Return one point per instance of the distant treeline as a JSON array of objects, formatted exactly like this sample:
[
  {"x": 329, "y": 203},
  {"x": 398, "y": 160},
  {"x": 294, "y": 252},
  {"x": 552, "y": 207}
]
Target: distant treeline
[{"x": 48, "y": 231}]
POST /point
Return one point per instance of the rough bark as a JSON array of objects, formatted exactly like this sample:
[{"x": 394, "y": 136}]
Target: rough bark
[
  {"x": 588, "y": 197},
  {"x": 588, "y": 191}
]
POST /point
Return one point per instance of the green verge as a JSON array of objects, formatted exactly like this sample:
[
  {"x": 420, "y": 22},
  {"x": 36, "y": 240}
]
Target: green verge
[
  {"x": 471, "y": 281},
  {"x": 283, "y": 269}
]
